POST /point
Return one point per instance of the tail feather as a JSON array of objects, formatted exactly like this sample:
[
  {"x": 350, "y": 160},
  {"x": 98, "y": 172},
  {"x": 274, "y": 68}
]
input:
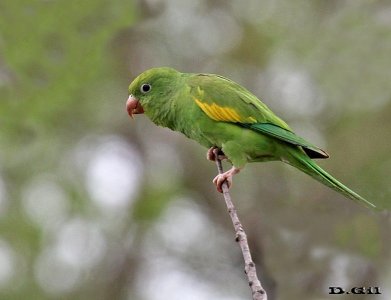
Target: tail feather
[{"x": 300, "y": 160}]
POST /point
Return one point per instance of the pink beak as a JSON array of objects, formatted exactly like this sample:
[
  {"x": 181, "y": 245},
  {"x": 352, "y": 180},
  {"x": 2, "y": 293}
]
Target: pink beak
[{"x": 133, "y": 106}]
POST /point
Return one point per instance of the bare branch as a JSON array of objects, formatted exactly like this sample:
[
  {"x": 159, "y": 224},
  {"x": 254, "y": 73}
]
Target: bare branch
[{"x": 257, "y": 290}]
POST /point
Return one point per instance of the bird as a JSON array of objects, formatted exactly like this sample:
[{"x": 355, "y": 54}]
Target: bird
[{"x": 225, "y": 117}]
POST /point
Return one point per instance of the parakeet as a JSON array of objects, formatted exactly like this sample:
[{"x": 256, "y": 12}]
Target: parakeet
[{"x": 219, "y": 113}]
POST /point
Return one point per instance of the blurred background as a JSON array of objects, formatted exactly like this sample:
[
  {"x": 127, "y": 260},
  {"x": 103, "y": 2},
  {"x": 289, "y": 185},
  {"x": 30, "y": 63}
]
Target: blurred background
[{"x": 94, "y": 205}]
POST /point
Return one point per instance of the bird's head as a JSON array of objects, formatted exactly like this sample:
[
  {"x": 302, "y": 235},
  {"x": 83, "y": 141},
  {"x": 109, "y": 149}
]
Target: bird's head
[{"x": 151, "y": 90}]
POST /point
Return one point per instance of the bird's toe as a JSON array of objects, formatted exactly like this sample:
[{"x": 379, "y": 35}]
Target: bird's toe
[
  {"x": 210, "y": 155},
  {"x": 220, "y": 179}
]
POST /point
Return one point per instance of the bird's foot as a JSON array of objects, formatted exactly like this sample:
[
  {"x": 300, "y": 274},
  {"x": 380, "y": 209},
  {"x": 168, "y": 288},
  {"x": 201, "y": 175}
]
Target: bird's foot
[
  {"x": 210, "y": 155},
  {"x": 225, "y": 177}
]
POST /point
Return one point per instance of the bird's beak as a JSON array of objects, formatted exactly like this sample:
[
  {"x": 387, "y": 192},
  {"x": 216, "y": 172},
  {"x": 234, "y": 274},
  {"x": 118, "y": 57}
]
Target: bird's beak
[{"x": 133, "y": 106}]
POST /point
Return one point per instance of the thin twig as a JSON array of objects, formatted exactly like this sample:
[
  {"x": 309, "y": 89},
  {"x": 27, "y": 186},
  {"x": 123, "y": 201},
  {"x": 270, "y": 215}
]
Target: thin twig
[{"x": 257, "y": 290}]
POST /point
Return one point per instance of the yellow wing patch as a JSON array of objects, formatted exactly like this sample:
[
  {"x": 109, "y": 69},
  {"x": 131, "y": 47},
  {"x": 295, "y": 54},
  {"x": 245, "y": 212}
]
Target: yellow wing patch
[{"x": 225, "y": 114}]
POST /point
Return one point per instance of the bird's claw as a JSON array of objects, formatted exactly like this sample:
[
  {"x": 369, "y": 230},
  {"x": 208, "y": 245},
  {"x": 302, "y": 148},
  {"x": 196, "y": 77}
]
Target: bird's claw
[
  {"x": 225, "y": 177},
  {"x": 220, "y": 179},
  {"x": 210, "y": 155}
]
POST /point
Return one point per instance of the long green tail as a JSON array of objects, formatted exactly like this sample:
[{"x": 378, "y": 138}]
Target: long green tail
[{"x": 300, "y": 160}]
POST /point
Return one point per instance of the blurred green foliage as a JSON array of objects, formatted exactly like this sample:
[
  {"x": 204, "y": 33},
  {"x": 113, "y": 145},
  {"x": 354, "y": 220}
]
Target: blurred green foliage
[
  {"x": 95, "y": 206},
  {"x": 361, "y": 233}
]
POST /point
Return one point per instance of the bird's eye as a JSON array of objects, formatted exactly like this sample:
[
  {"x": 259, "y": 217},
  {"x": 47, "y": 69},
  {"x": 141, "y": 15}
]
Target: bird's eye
[{"x": 145, "y": 88}]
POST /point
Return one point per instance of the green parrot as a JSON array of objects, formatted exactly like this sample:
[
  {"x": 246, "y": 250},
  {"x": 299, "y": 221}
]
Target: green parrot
[{"x": 219, "y": 113}]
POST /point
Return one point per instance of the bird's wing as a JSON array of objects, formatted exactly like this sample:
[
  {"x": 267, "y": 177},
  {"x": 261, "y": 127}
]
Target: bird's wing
[{"x": 223, "y": 100}]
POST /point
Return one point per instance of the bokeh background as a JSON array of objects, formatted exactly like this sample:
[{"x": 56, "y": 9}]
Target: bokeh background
[{"x": 94, "y": 205}]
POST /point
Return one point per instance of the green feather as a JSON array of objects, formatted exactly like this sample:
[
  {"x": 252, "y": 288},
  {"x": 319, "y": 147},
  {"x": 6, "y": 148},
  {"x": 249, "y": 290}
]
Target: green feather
[
  {"x": 215, "y": 89},
  {"x": 299, "y": 160},
  {"x": 289, "y": 137},
  {"x": 218, "y": 112}
]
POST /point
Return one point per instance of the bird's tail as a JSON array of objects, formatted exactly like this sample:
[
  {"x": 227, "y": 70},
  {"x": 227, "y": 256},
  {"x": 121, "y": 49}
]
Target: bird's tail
[{"x": 300, "y": 160}]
